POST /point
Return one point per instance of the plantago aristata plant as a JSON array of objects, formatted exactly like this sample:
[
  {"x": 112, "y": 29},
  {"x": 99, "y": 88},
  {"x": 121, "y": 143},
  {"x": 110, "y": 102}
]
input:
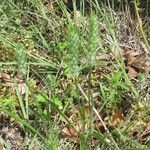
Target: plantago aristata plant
[
  {"x": 73, "y": 47},
  {"x": 92, "y": 45},
  {"x": 20, "y": 57},
  {"x": 92, "y": 48}
]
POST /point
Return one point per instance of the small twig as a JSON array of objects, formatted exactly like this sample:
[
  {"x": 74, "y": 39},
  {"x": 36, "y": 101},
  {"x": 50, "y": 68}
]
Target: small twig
[{"x": 94, "y": 109}]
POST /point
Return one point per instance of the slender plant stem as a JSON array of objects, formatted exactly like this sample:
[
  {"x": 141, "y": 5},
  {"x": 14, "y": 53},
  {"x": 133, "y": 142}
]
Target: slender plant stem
[{"x": 90, "y": 97}]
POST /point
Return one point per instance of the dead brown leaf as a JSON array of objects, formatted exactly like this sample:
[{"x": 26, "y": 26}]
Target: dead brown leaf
[
  {"x": 130, "y": 53},
  {"x": 77, "y": 124},
  {"x": 72, "y": 131},
  {"x": 116, "y": 117},
  {"x": 137, "y": 62},
  {"x": 132, "y": 73},
  {"x": 99, "y": 127},
  {"x": 5, "y": 76},
  {"x": 69, "y": 131}
]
